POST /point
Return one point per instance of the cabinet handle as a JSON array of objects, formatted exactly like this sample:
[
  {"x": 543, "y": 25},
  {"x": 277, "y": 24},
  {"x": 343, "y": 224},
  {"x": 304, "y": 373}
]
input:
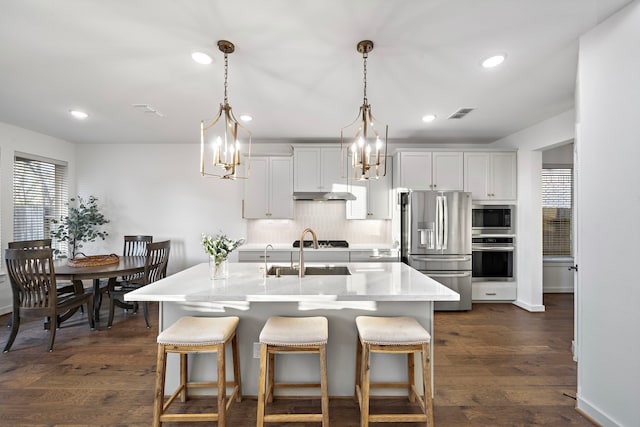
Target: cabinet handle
[
  {"x": 490, "y": 293},
  {"x": 435, "y": 185},
  {"x": 268, "y": 214}
]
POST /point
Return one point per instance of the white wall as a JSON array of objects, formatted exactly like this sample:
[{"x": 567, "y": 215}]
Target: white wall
[
  {"x": 14, "y": 139},
  {"x": 157, "y": 189},
  {"x": 562, "y": 155},
  {"x": 608, "y": 151},
  {"x": 530, "y": 142}
]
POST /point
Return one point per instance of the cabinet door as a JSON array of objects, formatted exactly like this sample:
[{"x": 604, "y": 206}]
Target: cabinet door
[
  {"x": 373, "y": 196},
  {"x": 258, "y": 256},
  {"x": 256, "y": 189},
  {"x": 477, "y": 167},
  {"x": 358, "y": 208},
  {"x": 415, "y": 171},
  {"x": 380, "y": 195},
  {"x": 504, "y": 176},
  {"x": 306, "y": 169},
  {"x": 332, "y": 170},
  {"x": 280, "y": 188},
  {"x": 447, "y": 171}
]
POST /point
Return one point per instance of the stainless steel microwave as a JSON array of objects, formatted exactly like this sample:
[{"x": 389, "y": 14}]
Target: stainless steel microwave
[{"x": 492, "y": 218}]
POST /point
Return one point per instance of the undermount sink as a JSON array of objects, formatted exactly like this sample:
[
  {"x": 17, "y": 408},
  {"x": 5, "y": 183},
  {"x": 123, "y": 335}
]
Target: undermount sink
[{"x": 276, "y": 270}]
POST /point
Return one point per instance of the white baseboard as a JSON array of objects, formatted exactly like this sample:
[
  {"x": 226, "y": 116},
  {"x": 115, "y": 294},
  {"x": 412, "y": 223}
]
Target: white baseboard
[
  {"x": 6, "y": 309},
  {"x": 529, "y": 307},
  {"x": 594, "y": 413},
  {"x": 557, "y": 290}
]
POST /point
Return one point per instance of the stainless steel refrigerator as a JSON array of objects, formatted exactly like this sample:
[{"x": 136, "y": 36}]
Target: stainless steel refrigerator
[{"x": 436, "y": 240}]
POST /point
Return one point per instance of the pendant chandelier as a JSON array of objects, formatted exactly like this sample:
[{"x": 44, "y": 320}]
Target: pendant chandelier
[
  {"x": 221, "y": 138},
  {"x": 361, "y": 140}
]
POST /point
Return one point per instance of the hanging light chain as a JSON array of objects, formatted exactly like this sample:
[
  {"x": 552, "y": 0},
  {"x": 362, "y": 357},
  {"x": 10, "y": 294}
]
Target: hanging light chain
[
  {"x": 365, "y": 55},
  {"x": 226, "y": 70}
]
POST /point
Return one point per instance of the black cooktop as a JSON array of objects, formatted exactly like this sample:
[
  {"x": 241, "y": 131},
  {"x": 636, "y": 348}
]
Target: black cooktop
[{"x": 323, "y": 243}]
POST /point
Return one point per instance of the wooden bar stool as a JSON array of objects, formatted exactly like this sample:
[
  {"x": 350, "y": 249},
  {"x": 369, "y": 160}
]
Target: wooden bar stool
[
  {"x": 292, "y": 335},
  {"x": 197, "y": 335},
  {"x": 398, "y": 335}
]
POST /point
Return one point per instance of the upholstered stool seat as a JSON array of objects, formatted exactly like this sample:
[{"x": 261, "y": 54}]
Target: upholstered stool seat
[
  {"x": 399, "y": 335},
  {"x": 197, "y": 335},
  {"x": 292, "y": 335}
]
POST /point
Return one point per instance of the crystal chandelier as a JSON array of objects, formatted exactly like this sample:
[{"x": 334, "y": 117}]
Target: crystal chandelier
[
  {"x": 221, "y": 138},
  {"x": 367, "y": 148}
]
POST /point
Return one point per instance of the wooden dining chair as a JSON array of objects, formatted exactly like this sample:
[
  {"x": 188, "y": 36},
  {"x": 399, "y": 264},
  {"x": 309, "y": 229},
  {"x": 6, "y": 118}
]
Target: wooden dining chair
[
  {"x": 134, "y": 245},
  {"x": 155, "y": 268},
  {"x": 63, "y": 288},
  {"x": 33, "y": 284}
]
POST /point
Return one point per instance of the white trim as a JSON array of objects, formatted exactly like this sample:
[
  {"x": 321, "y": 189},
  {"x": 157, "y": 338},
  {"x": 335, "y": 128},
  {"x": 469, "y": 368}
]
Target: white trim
[
  {"x": 595, "y": 413},
  {"x": 529, "y": 307},
  {"x": 557, "y": 290}
]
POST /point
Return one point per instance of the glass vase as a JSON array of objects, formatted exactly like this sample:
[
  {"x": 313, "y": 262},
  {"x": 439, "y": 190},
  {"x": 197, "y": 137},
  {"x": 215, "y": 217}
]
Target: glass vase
[{"x": 218, "y": 270}]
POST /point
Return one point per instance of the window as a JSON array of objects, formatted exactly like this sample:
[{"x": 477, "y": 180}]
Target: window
[
  {"x": 40, "y": 194},
  {"x": 557, "y": 206}
]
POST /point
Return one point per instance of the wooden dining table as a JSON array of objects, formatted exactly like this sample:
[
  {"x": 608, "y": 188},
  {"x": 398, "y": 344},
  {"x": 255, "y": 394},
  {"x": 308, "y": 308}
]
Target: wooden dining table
[{"x": 127, "y": 265}]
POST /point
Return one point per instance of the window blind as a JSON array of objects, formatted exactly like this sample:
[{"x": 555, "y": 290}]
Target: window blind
[
  {"x": 557, "y": 207},
  {"x": 40, "y": 194}
]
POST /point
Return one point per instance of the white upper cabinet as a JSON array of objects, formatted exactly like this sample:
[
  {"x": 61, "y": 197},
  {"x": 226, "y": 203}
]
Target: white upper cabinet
[
  {"x": 490, "y": 176},
  {"x": 447, "y": 171},
  {"x": 318, "y": 169},
  {"x": 439, "y": 170},
  {"x": 268, "y": 191},
  {"x": 373, "y": 196}
]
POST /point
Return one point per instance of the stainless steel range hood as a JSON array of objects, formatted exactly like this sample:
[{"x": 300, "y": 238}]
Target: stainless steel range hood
[{"x": 323, "y": 196}]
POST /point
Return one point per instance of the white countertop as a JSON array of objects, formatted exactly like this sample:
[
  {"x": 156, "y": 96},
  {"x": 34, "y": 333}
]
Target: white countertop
[
  {"x": 246, "y": 282},
  {"x": 289, "y": 247}
]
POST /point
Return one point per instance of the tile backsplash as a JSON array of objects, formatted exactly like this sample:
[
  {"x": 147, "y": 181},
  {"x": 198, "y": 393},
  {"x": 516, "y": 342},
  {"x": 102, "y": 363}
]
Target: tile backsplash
[{"x": 328, "y": 220}]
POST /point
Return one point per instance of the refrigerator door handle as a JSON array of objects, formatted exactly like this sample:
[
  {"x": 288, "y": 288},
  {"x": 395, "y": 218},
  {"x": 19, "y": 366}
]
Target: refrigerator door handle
[
  {"x": 438, "y": 222},
  {"x": 441, "y": 259},
  {"x": 445, "y": 223},
  {"x": 467, "y": 274}
]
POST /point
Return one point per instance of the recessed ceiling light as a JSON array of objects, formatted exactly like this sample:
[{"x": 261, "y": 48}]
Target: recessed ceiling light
[
  {"x": 246, "y": 118},
  {"x": 493, "y": 61},
  {"x": 428, "y": 118},
  {"x": 78, "y": 114},
  {"x": 201, "y": 58}
]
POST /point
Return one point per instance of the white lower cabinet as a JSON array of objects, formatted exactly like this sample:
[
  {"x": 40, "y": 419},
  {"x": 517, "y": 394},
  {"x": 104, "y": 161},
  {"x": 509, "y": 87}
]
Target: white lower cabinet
[
  {"x": 258, "y": 256},
  {"x": 312, "y": 255},
  {"x": 375, "y": 255},
  {"x": 494, "y": 291}
]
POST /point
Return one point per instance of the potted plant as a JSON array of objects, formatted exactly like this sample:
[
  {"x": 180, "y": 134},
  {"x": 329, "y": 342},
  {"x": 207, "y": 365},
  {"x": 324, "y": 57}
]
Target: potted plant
[
  {"x": 80, "y": 225},
  {"x": 219, "y": 250}
]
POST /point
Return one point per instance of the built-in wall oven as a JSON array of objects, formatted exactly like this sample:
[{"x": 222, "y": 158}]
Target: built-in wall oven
[
  {"x": 492, "y": 243},
  {"x": 492, "y": 257}
]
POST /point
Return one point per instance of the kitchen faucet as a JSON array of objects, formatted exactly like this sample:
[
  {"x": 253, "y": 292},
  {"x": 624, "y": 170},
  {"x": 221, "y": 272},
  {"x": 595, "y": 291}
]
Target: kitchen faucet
[
  {"x": 315, "y": 246},
  {"x": 266, "y": 270}
]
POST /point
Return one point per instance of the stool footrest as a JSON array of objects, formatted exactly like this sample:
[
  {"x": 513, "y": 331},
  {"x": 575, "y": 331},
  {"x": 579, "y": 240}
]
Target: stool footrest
[
  {"x": 296, "y": 385},
  {"x": 166, "y": 418},
  {"x": 389, "y": 384},
  {"x": 292, "y": 418},
  {"x": 397, "y": 418}
]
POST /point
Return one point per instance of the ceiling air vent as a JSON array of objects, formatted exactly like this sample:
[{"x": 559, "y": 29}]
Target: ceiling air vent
[{"x": 461, "y": 113}]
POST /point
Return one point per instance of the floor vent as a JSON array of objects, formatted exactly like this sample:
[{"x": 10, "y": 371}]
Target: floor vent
[{"x": 461, "y": 113}]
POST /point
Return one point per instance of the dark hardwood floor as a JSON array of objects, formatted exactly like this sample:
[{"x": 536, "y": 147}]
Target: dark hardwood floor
[{"x": 496, "y": 365}]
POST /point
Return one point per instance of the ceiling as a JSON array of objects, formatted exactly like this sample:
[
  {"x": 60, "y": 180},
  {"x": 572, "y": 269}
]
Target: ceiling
[{"x": 295, "y": 68}]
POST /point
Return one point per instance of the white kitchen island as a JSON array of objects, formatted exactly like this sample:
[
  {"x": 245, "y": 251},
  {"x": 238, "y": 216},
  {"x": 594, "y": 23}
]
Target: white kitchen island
[{"x": 374, "y": 289}]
